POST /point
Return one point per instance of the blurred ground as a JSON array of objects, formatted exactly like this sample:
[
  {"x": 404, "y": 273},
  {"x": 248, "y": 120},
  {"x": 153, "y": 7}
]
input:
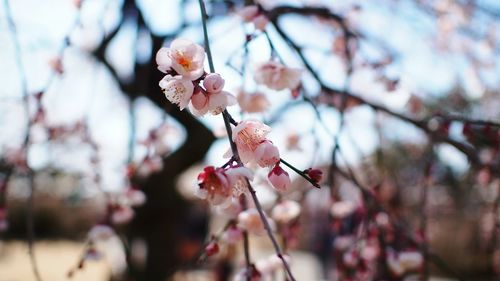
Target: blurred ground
[{"x": 55, "y": 259}]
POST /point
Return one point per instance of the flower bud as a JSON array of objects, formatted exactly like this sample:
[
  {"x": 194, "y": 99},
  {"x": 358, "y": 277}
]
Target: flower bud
[
  {"x": 279, "y": 178},
  {"x": 315, "y": 174},
  {"x": 213, "y": 83}
]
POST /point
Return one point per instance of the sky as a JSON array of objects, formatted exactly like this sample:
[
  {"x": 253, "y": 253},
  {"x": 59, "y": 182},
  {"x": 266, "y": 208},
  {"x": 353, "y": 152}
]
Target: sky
[{"x": 87, "y": 91}]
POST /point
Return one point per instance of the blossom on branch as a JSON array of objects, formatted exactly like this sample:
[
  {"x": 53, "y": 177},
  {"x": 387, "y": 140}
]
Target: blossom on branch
[
  {"x": 219, "y": 186},
  {"x": 184, "y": 57},
  {"x": 178, "y": 90},
  {"x": 253, "y": 147},
  {"x": 279, "y": 178}
]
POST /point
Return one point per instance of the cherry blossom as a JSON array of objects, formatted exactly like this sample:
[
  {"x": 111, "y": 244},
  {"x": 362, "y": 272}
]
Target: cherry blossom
[
  {"x": 279, "y": 178},
  {"x": 277, "y": 76},
  {"x": 248, "y": 136},
  {"x": 219, "y": 186},
  {"x": 232, "y": 235},
  {"x": 184, "y": 57},
  {"x": 178, "y": 89}
]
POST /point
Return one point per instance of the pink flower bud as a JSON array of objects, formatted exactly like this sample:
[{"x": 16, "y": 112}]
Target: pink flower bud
[
  {"x": 199, "y": 99},
  {"x": 213, "y": 83},
  {"x": 279, "y": 178},
  {"x": 122, "y": 215},
  {"x": 267, "y": 154}
]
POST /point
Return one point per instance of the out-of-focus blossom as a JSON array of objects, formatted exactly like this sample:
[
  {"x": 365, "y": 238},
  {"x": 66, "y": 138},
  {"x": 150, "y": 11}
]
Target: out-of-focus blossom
[
  {"x": 250, "y": 221},
  {"x": 271, "y": 264},
  {"x": 342, "y": 243},
  {"x": 277, "y": 76},
  {"x": 342, "y": 209},
  {"x": 252, "y": 14},
  {"x": 177, "y": 89},
  {"x": 122, "y": 215},
  {"x": 286, "y": 211},
  {"x": 252, "y": 103},
  {"x": 232, "y": 235},
  {"x": 350, "y": 258},
  {"x": 402, "y": 262},
  {"x": 243, "y": 274},
  {"x": 134, "y": 197},
  {"x": 101, "y": 232},
  {"x": 183, "y": 56},
  {"x": 279, "y": 178},
  {"x": 92, "y": 255}
]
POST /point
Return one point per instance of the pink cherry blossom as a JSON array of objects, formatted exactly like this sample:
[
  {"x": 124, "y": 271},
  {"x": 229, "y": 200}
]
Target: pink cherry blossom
[
  {"x": 213, "y": 83},
  {"x": 183, "y": 56},
  {"x": 253, "y": 103},
  {"x": 267, "y": 154},
  {"x": 286, "y": 211},
  {"x": 219, "y": 186},
  {"x": 248, "y": 135},
  {"x": 178, "y": 90},
  {"x": 279, "y": 178},
  {"x": 277, "y": 76},
  {"x": 214, "y": 185}
]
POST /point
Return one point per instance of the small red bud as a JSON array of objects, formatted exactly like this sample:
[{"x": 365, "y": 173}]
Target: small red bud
[
  {"x": 315, "y": 174},
  {"x": 212, "y": 248}
]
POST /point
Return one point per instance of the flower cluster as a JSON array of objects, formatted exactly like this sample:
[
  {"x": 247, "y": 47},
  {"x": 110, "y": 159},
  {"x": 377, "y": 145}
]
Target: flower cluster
[{"x": 183, "y": 65}]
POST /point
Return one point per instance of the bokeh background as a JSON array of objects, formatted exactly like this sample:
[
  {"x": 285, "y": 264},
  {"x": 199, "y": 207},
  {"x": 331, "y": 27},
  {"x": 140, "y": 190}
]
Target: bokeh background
[{"x": 83, "y": 119}]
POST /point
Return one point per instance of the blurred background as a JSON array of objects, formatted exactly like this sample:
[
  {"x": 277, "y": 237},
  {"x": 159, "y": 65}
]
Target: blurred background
[{"x": 398, "y": 106}]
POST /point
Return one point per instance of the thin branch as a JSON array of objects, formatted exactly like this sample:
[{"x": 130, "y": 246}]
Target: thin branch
[{"x": 227, "y": 122}]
